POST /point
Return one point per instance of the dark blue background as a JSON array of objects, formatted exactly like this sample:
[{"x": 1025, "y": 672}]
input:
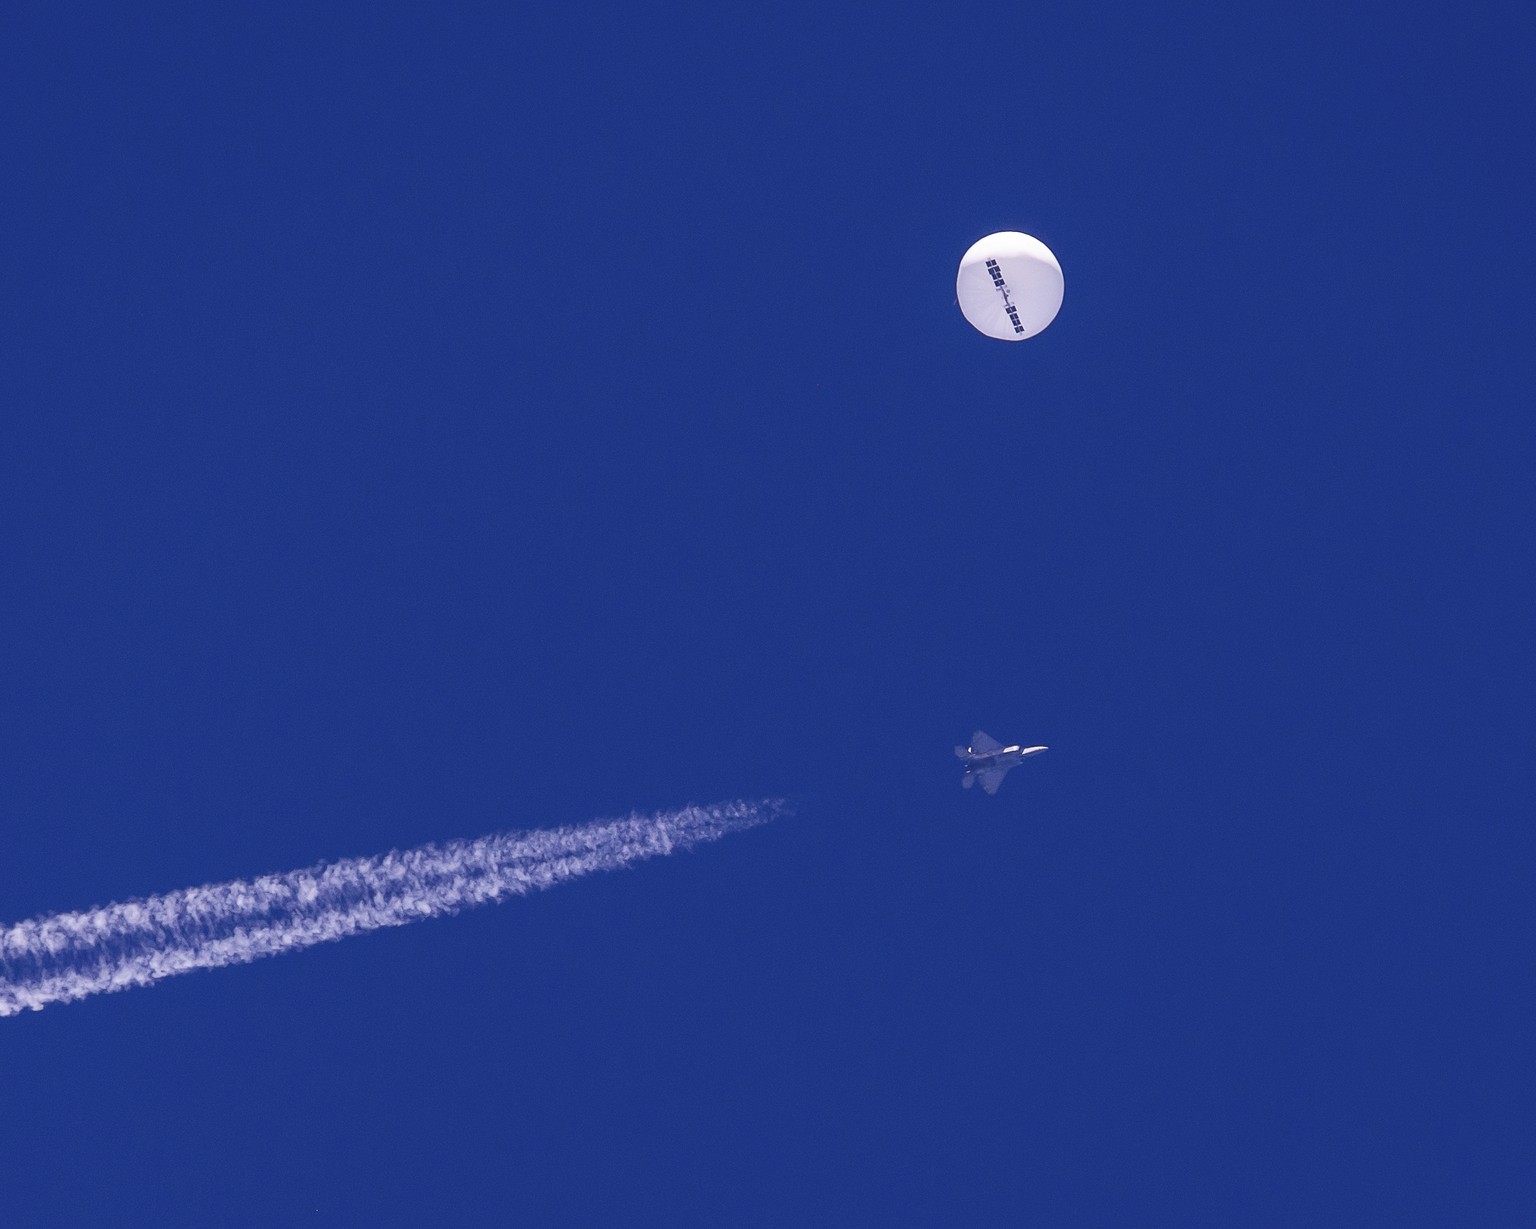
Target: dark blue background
[{"x": 429, "y": 420}]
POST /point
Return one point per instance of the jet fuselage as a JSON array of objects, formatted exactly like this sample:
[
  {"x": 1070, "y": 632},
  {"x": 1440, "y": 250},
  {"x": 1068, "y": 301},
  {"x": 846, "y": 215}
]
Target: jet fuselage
[
  {"x": 989, "y": 762},
  {"x": 1008, "y": 757}
]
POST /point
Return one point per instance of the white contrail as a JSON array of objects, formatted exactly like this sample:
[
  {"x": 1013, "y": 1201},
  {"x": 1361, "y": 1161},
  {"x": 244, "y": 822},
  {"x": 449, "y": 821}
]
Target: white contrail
[{"x": 67, "y": 956}]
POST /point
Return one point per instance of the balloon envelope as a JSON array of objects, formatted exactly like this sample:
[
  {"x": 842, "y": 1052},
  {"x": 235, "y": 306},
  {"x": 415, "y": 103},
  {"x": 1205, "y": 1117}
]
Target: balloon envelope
[{"x": 1009, "y": 285}]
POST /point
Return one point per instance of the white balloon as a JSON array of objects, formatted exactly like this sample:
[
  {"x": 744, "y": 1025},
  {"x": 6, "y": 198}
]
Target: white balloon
[{"x": 1009, "y": 285}]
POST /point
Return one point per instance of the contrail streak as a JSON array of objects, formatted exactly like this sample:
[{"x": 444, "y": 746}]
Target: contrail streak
[{"x": 68, "y": 956}]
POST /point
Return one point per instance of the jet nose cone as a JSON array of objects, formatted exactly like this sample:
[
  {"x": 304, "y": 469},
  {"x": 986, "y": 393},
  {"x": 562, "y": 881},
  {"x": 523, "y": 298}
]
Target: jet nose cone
[{"x": 1035, "y": 750}]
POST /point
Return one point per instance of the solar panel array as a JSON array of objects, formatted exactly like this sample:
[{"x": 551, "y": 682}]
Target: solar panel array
[{"x": 1002, "y": 287}]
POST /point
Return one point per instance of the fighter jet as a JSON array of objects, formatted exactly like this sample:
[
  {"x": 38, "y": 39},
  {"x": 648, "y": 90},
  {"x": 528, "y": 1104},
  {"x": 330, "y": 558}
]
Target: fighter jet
[{"x": 988, "y": 761}]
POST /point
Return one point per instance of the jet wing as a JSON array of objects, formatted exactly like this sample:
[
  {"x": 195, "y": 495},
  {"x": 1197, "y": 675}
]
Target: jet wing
[
  {"x": 991, "y": 778},
  {"x": 983, "y": 743}
]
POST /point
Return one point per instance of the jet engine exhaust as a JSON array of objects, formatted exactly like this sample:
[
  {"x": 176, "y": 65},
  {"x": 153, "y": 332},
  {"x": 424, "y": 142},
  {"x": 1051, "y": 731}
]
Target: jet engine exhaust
[{"x": 62, "y": 957}]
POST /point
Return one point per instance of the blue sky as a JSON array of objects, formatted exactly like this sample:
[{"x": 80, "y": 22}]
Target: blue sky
[{"x": 425, "y": 421}]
